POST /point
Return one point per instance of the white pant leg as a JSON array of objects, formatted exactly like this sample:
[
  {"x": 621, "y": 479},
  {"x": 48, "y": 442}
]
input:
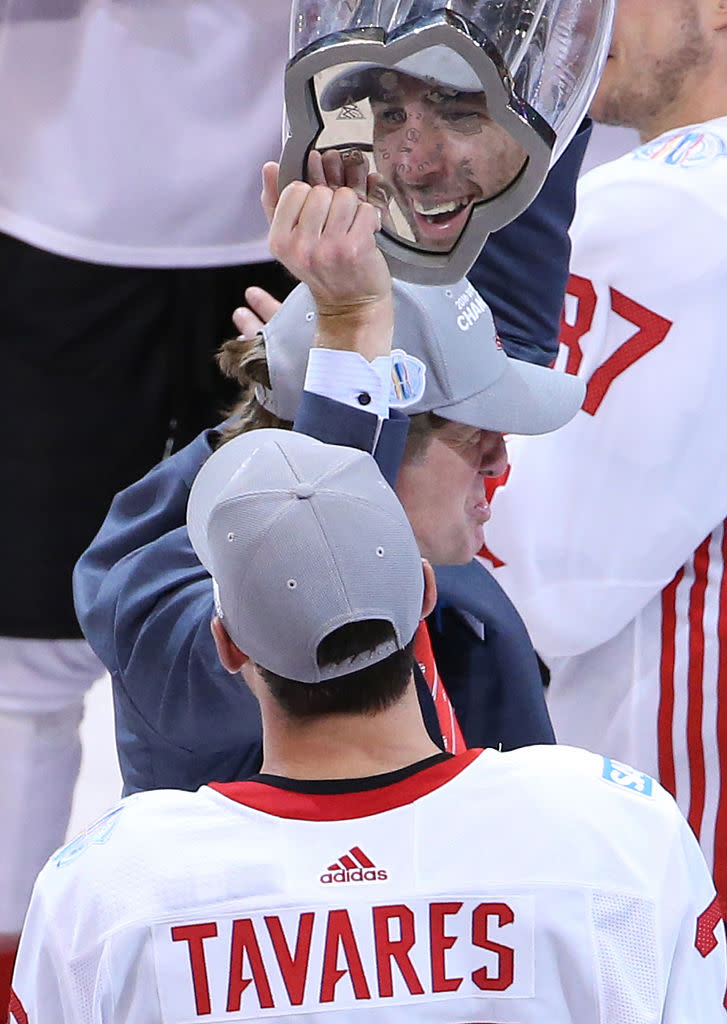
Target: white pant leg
[{"x": 42, "y": 687}]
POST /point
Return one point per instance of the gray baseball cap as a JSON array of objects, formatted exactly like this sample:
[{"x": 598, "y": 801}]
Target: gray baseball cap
[
  {"x": 300, "y": 538},
  {"x": 448, "y": 359},
  {"x": 439, "y": 66}
]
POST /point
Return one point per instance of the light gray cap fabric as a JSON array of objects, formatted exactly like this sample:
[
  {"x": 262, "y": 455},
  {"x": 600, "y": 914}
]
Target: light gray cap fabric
[
  {"x": 450, "y": 339},
  {"x": 438, "y": 65},
  {"x": 300, "y": 538}
]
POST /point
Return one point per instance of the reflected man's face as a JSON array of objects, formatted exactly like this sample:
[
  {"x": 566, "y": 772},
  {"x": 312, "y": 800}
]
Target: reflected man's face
[{"x": 440, "y": 153}]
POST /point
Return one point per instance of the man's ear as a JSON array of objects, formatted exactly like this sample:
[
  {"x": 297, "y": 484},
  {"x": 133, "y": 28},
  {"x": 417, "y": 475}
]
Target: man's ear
[
  {"x": 719, "y": 15},
  {"x": 430, "y": 589},
  {"x": 230, "y": 655}
]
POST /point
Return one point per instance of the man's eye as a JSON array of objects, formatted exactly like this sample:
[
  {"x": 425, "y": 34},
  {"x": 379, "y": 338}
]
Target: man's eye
[
  {"x": 466, "y": 442},
  {"x": 394, "y": 115}
]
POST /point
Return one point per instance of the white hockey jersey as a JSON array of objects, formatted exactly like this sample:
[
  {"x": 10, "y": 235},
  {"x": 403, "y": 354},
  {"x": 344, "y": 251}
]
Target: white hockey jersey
[
  {"x": 544, "y": 885},
  {"x": 612, "y": 528},
  {"x": 133, "y": 131}
]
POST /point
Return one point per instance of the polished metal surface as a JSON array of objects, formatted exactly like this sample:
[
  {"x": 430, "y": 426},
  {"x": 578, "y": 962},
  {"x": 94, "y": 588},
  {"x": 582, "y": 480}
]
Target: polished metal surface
[
  {"x": 453, "y": 111},
  {"x": 455, "y": 163}
]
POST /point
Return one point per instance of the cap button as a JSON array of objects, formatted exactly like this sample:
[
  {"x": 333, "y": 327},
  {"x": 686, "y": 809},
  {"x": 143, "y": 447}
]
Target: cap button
[{"x": 304, "y": 490}]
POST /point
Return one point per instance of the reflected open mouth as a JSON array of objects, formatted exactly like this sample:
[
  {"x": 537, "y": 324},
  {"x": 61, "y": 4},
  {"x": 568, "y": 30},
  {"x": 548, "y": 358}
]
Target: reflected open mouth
[
  {"x": 439, "y": 222},
  {"x": 439, "y": 213}
]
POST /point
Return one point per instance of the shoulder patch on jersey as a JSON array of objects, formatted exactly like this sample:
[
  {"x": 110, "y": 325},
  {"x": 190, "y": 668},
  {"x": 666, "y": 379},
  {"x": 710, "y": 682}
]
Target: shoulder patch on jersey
[
  {"x": 684, "y": 148},
  {"x": 626, "y": 777},
  {"x": 97, "y": 834}
]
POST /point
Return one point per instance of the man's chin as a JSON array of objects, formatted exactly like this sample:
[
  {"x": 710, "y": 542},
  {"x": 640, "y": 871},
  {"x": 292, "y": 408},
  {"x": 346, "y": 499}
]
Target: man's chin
[
  {"x": 460, "y": 554},
  {"x": 608, "y": 106},
  {"x": 440, "y": 554},
  {"x": 437, "y": 245}
]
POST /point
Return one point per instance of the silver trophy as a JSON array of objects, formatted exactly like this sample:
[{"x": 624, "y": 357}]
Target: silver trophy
[{"x": 459, "y": 108}]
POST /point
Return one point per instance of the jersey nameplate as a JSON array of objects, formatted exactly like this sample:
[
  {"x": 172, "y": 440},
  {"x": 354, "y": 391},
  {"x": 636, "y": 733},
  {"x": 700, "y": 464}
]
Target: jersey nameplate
[{"x": 300, "y": 960}]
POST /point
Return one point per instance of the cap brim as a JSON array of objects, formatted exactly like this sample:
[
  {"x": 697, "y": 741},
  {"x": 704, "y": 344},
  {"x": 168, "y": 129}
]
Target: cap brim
[
  {"x": 289, "y": 337},
  {"x": 434, "y": 64},
  {"x": 348, "y": 87},
  {"x": 525, "y": 399}
]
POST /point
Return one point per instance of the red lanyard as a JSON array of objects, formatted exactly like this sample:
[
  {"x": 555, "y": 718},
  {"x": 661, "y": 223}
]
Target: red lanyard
[{"x": 453, "y": 739}]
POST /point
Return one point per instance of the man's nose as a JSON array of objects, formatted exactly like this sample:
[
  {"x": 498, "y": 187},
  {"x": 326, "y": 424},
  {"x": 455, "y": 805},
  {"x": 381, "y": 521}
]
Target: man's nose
[
  {"x": 494, "y": 462},
  {"x": 421, "y": 153}
]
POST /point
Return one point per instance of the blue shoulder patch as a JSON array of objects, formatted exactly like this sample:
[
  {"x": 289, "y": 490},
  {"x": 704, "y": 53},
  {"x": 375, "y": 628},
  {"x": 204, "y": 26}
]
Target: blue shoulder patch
[
  {"x": 626, "y": 777},
  {"x": 684, "y": 148},
  {"x": 97, "y": 833}
]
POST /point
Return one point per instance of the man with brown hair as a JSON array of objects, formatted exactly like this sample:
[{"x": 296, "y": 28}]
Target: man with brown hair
[
  {"x": 140, "y": 578},
  {"x": 364, "y": 874}
]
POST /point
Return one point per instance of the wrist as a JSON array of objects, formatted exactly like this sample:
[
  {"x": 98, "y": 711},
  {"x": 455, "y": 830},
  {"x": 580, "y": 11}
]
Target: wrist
[{"x": 366, "y": 328}]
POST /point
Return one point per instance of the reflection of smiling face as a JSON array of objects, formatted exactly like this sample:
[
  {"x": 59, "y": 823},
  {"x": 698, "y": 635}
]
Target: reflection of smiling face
[{"x": 440, "y": 152}]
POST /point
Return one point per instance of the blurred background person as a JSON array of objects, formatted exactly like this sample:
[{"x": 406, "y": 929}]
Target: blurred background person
[
  {"x": 131, "y": 229},
  {"x": 621, "y": 582},
  {"x": 130, "y": 140}
]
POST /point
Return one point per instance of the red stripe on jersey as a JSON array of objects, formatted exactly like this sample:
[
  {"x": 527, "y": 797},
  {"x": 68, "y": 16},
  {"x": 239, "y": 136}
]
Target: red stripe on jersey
[
  {"x": 720, "y": 832},
  {"x": 665, "y": 719},
  {"x": 285, "y": 803},
  {"x": 695, "y": 680},
  {"x": 448, "y": 724}
]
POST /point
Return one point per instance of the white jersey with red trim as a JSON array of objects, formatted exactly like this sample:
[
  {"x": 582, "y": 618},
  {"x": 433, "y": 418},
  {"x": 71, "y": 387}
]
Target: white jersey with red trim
[
  {"x": 546, "y": 884},
  {"x": 612, "y": 528}
]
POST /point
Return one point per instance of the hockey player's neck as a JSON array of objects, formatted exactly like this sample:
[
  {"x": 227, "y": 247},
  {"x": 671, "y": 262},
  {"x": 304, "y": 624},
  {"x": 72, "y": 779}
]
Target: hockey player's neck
[
  {"x": 346, "y": 746},
  {"x": 705, "y": 102}
]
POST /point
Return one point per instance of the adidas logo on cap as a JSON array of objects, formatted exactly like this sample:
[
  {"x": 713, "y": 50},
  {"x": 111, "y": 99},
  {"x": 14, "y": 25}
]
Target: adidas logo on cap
[{"x": 354, "y": 866}]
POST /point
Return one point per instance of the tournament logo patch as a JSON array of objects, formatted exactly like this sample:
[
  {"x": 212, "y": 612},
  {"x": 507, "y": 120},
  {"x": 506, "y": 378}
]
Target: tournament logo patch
[
  {"x": 408, "y": 379},
  {"x": 690, "y": 148},
  {"x": 95, "y": 834},
  {"x": 626, "y": 777}
]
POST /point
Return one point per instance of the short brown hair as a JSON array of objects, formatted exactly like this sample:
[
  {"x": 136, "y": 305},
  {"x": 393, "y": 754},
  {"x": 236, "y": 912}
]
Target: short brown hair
[
  {"x": 362, "y": 691},
  {"x": 244, "y": 360}
]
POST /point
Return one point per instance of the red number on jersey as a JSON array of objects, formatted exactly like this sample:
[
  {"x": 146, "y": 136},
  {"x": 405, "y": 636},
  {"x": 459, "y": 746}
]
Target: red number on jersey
[
  {"x": 652, "y": 329},
  {"x": 705, "y": 940},
  {"x": 16, "y": 1009}
]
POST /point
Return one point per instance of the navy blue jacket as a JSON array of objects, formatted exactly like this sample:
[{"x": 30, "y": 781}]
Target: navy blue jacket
[
  {"x": 145, "y": 604},
  {"x": 144, "y": 601},
  {"x": 523, "y": 269}
]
